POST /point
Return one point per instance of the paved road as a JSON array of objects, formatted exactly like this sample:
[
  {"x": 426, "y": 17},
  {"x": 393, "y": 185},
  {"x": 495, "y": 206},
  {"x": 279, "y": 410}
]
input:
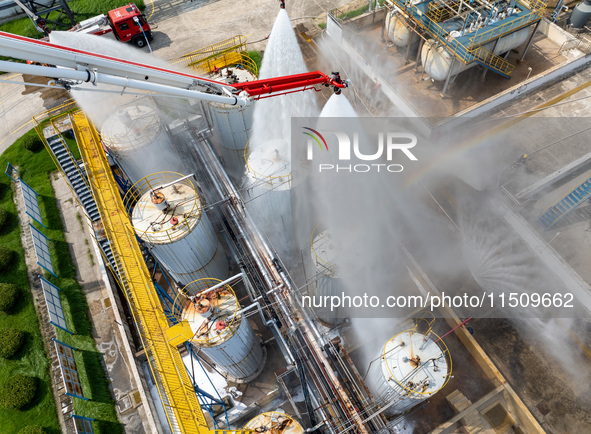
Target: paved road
[
  {"x": 19, "y": 103},
  {"x": 181, "y": 26}
]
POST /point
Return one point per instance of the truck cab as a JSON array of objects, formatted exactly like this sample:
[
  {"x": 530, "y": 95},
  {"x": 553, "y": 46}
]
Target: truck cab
[{"x": 129, "y": 24}]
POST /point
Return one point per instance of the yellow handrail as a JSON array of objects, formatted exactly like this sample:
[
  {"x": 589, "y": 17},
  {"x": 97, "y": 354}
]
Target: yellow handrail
[
  {"x": 497, "y": 63},
  {"x": 174, "y": 386},
  {"x": 225, "y": 53}
]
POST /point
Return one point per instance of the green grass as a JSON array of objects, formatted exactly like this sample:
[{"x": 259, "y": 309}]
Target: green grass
[
  {"x": 322, "y": 25},
  {"x": 256, "y": 57},
  {"x": 35, "y": 169},
  {"x": 82, "y": 10},
  {"x": 354, "y": 13},
  {"x": 32, "y": 359}
]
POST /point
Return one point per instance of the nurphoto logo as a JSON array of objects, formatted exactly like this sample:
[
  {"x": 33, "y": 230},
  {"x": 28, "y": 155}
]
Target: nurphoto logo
[{"x": 389, "y": 146}]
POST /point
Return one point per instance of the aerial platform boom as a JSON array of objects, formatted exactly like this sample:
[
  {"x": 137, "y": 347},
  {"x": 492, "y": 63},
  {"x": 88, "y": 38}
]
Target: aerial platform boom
[{"x": 77, "y": 66}]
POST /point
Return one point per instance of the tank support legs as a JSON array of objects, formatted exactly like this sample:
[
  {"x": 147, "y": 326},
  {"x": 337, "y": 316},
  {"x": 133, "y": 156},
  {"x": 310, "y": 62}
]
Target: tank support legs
[
  {"x": 531, "y": 38},
  {"x": 411, "y": 37},
  {"x": 419, "y": 54},
  {"x": 451, "y": 67}
]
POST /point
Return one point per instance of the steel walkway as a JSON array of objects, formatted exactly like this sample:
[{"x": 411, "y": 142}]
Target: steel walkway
[
  {"x": 563, "y": 208},
  {"x": 175, "y": 388},
  {"x": 76, "y": 177},
  {"x": 473, "y": 49}
]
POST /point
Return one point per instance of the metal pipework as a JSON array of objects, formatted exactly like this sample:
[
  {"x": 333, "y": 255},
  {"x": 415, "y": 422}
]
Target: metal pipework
[
  {"x": 86, "y": 75},
  {"x": 192, "y": 175},
  {"x": 273, "y": 275},
  {"x": 24, "y": 48},
  {"x": 219, "y": 285}
]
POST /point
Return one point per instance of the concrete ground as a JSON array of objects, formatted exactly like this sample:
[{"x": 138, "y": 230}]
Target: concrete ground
[
  {"x": 535, "y": 370},
  {"x": 130, "y": 409},
  {"x": 183, "y": 26},
  {"x": 19, "y": 103}
]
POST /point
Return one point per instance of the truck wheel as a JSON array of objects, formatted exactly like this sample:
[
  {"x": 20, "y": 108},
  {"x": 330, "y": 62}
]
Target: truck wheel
[{"x": 139, "y": 41}]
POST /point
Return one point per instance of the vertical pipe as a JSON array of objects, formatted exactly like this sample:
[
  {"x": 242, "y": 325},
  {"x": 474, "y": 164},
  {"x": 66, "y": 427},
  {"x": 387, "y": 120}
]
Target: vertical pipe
[
  {"x": 419, "y": 54},
  {"x": 449, "y": 74},
  {"x": 410, "y": 40},
  {"x": 465, "y": 23},
  {"x": 531, "y": 38},
  {"x": 384, "y": 25}
]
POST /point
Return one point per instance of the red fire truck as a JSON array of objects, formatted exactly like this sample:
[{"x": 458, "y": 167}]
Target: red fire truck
[{"x": 126, "y": 24}]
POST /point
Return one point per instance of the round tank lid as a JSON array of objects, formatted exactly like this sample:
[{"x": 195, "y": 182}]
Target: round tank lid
[
  {"x": 274, "y": 422},
  {"x": 166, "y": 215},
  {"x": 131, "y": 127},
  {"x": 271, "y": 163},
  {"x": 215, "y": 324},
  {"x": 233, "y": 75},
  {"x": 415, "y": 363}
]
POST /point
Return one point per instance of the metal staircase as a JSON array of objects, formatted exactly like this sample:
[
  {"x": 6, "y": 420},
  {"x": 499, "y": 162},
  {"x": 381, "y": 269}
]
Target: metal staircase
[
  {"x": 493, "y": 62},
  {"x": 76, "y": 177},
  {"x": 75, "y": 174},
  {"x": 563, "y": 208}
]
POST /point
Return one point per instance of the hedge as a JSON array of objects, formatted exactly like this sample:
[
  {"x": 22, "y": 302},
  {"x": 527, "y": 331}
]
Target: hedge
[{"x": 18, "y": 391}]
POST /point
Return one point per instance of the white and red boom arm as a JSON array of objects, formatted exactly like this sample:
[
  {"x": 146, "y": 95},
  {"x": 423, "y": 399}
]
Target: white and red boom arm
[{"x": 80, "y": 66}]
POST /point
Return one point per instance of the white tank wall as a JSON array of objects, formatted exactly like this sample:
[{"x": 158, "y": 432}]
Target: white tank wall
[
  {"x": 396, "y": 30},
  {"x": 437, "y": 61},
  {"x": 139, "y": 142},
  {"x": 391, "y": 374},
  {"x": 196, "y": 256},
  {"x": 273, "y": 203},
  {"x": 241, "y": 356},
  {"x": 268, "y": 194},
  {"x": 187, "y": 248},
  {"x": 232, "y": 126},
  {"x": 327, "y": 281}
]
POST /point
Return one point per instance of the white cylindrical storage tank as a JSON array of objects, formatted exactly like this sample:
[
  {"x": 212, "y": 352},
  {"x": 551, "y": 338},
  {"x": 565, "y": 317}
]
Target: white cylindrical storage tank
[
  {"x": 437, "y": 60},
  {"x": 324, "y": 251},
  {"x": 411, "y": 368},
  {"x": 268, "y": 191},
  {"x": 139, "y": 141},
  {"x": 274, "y": 422},
  {"x": 221, "y": 331},
  {"x": 167, "y": 214},
  {"x": 396, "y": 29},
  {"x": 232, "y": 126}
]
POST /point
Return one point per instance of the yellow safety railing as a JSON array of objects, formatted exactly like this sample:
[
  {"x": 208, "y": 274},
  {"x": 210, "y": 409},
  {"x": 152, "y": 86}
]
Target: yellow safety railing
[
  {"x": 232, "y": 51},
  {"x": 174, "y": 386},
  {"x": 473, "y": 51},
  {"x": 494, "y": 62},
  {"x": 41, "y": 118},
  {"x": 439, "y": 11},
  {"x": 508, "y": 27}
]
